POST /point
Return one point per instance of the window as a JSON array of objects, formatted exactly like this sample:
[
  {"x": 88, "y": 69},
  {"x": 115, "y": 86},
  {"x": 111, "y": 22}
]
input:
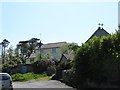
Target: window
[
  {"x": 4, "y": 77},
  {"x": 53, "y": 50}
]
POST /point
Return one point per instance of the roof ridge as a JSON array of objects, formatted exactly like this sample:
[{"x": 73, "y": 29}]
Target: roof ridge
[
  {"x": 99, "y": 28},
  {"x": 55, "y": 43},
  {"x": 105, "y": 30}
]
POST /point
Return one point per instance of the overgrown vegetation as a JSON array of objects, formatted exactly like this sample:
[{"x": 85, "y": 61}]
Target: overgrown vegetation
[
  {"x": 12, "y": 59},
  {"x": 30, "y": 76},
  {"x": 43, "y": 65},
  {"x": 69, "y": 48},
  {"x": 97, "y": 61},
  {"x": 16, "y": 58}
]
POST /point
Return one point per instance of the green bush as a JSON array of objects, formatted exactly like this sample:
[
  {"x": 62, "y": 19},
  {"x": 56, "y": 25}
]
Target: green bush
[
  {"x": 28, "y": 76},
  {"x": 68, "y": 77},
  {"x": 42, "y": 65},
  {"x": 51, "y": 70},
  {"x": 98, "y": 61},
  {"x": 18, "y": 77},
  {"x": 63, "y": 65}
]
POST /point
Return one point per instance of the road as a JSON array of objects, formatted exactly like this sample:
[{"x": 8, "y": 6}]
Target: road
[{"x": 41, "y": 84}]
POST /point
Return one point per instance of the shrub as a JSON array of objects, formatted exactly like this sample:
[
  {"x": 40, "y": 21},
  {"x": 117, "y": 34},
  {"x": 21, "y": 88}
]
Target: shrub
[
  {"x": 51, "y": 70},
  {"x": 29, "y": 76},
  {"x": 68, "y": 77},
  {"x": 98, "y": 61},
  {"x": 18, "y": 77},
  {"x": 42, "y": 65},
  {"x": 63, "y": 65}
]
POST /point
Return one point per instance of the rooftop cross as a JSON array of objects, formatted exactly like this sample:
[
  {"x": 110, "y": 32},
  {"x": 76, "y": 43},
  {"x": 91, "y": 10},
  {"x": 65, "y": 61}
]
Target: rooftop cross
[
  {"x": 99, "y": 24},
  {"x": 102, "y": 25}
]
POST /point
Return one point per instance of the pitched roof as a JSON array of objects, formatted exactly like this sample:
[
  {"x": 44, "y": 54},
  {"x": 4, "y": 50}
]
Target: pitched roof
[
  {"x": 53, "y": 45},
  {"x": 99, "y": 33},
  {"x": 69, "y": 56}
]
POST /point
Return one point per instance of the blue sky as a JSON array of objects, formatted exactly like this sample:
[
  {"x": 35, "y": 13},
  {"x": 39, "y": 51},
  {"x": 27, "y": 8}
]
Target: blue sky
[
  {"x": 119, "y": 13},
  {"x": 55, "y": 21}
]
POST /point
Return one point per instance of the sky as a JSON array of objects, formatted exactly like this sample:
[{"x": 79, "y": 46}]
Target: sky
[
  {"x": 119, "y": 13},
  {"x": 69, "y": 21}
]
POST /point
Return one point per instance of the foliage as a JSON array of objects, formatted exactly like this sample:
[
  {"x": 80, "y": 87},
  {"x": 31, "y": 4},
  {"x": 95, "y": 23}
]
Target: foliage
[
  {"x": 24, "y": 50},
  {"x": 69, "y": 48},
  {"x": 12, "y": 59},
  {"x": 63, "y": 65},
  {"x": 40, "y": 56},
  {"x": 42, "y": 65},
  {"x": 28, "y": 47},
  {"x": 68, "y": 77},
  {"x": 98, "y": 61},
  {"x": 29, "y": 76},
  {"x": 51, "y": 70}
]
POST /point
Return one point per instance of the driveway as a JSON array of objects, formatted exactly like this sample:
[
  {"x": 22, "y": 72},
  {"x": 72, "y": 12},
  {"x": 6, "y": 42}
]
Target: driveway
[{"x": 41, "y": 84}]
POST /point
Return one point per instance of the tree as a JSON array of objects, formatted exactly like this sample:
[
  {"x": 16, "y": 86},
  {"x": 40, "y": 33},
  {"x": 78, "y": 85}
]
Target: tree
[
  {"x": 28, "y": 47},
  {"x": 69, "y": 48},
  {"x": 4, "y": 44},
  {"x": 32, "y": 44},
  {"x": 12, "y": 59},
  {"x": 98, "y": 61},
  {"x": 24, "y": 49}
]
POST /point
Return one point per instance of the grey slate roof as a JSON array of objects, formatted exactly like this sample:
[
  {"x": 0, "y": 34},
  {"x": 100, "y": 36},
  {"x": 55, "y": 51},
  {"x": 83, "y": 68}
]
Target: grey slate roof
[
  {"x": 99, "y": 33},
  {"x": 53, "y": 45},
  {"x": 69, "y": 56}
]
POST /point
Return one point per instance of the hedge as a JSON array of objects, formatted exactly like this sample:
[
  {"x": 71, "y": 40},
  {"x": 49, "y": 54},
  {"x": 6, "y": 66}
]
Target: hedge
[{"x": 98, "y": 61}]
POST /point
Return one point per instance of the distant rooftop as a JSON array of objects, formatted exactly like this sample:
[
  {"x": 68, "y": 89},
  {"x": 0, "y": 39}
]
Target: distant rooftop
[
  {"x": 69, "y": 56},
  {"x": 99, "y": 33},
  {"x": 53, "y": 45}
]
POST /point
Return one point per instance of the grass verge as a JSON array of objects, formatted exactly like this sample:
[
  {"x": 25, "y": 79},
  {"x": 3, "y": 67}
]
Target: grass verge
[{"x": 30, "y": 76}]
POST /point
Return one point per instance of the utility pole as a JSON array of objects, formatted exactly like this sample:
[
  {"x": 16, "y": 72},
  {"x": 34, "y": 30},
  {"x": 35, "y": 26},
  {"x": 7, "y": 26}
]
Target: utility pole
[{"x": 40, "y": 46}]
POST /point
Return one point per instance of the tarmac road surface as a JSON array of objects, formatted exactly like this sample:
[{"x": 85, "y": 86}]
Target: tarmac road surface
[{"x": 41, "y": 84}]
